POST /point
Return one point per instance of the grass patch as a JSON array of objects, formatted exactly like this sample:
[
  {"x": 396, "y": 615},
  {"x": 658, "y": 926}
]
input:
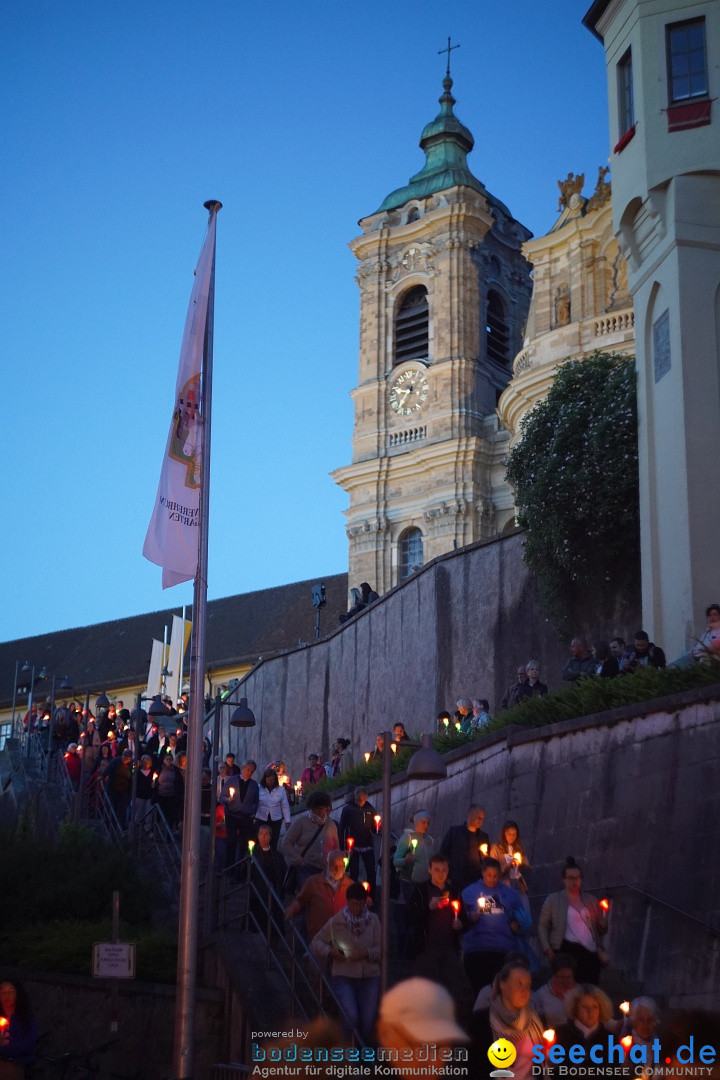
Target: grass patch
[{"x": 57, "y": 899}]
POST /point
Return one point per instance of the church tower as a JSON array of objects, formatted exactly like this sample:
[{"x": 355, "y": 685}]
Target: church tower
[{"x": 444, "y": 294}]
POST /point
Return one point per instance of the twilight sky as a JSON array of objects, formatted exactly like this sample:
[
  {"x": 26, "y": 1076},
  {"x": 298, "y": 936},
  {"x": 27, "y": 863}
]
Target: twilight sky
[{"x": 119, "y": 119}]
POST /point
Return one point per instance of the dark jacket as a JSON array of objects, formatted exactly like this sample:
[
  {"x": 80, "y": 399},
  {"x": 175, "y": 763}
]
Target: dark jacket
[
  {"x": 462, "y": 849},
  {"x": 577, "y": 669},
  {"x": 357, "y": 821},
  {"x": 654, "y": 657}
]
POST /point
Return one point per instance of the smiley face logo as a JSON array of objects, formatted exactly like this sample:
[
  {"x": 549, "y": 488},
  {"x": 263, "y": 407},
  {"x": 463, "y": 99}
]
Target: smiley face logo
[{"x": 502, "y": 1053}]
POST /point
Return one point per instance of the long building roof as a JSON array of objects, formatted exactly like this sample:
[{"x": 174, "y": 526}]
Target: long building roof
[{"x": 240, "y": 629}]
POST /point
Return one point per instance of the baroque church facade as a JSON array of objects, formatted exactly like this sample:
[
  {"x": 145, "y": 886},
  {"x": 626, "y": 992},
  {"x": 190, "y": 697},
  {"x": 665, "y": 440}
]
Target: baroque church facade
[
  {"x": 458, "y": 341},
  {"x": 444, "y": 297}
]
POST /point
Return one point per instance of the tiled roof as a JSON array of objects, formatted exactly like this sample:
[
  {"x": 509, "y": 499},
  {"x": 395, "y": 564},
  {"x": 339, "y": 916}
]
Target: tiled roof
[{"x": 240, "y": 629}]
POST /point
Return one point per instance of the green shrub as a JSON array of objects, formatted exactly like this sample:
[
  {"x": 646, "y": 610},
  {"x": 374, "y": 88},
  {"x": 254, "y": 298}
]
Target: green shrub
[
  {"x": 575, "y": 477},
  {"x": 595, "y": 695}
]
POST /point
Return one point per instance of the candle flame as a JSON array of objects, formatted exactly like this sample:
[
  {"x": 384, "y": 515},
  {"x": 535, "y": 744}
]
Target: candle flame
[
  {"x": 625, "y": 1007},
  {"x": 549, "y": 1035},
  {"x": 518, "y": 858},
  {"x": 393, "y": 747},
  {"x": 481, "y": 902},
  {"x": 367, "y": 755},
  {"x": 231, "y": 792},
  {"x": 455, "y": 904},
  {"x": 366, "y": 886},
  {"x": 627, "y": 1041},
  {"x": 605, "y": 905},
  {"x": 413, "y": 843},
  {"x": 349, "y": 842},
  {"x": 446, "y": 722},
  {"x": 251, "y": 845},
  {"x": 377, "y": 819},
  {"x": 484, "y": 849}
]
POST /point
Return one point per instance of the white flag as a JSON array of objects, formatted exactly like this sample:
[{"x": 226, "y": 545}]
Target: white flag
[{"x": 173, "y": 535}]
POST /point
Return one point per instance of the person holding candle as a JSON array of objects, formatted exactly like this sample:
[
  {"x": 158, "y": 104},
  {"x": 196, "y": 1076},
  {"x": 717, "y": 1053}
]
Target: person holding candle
[
  {"x": 357, "y": 823},
  {"x": 462, "y": 844},
  {"x": 411, "y": 860},
  {"x": 273, "y": 807},
  {"x": 351, "y": 939},
  {"x": 240, "y": 797},
  {"x": 19, "y": 1034},
  {"x": 493, "y": 915},
  {"x": 509, "y": 853},
  {"x": 572, "y": 921},
  {"x": 433, "y": 913},
  {"x": 322, "y": 895}
]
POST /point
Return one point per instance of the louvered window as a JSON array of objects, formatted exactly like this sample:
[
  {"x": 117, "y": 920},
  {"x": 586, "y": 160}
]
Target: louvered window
[
  {"x": 497, "y": 330},
  {"x": 411, "y": 326}
]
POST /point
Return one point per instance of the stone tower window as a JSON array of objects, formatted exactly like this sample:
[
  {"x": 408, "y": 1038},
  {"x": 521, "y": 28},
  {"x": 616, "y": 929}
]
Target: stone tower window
[
  {"x": 410, "y": 550},
  {"x": 497, "y": 330},
  {"x": 411, "y": 326}
]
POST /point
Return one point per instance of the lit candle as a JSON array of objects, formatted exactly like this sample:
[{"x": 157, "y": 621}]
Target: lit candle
[
  {"x": 231, "y": 792},
  {"x": 377, "y": 819},
  {"x": 251, "y": 845},
  {"x": 413, "y": 843},
  {"x": 605, "y": 905},
  {"x": 446, "y": 722},
  {"x": 482, "y": 903},
  {"x": 458, "y": 725},
  {"x": 367, "y": 755},
  {"x": 518, "y": 858},
  {"x": 549, "y": 1036},
  {"x": 393, "y": 747},
  {"x": 626, "y": 1042},
  {"x": 366, "y": 886},
  {"x": 455, "y": 905},
  {"x": 346, "y": 860},
  {"x": 4, "y": 1022},
  {"x": 349, "y": 843},
  {"x": 483, "y": 849},
  {"x": 624, "y": 1007},
  {"x": 155, "y": 776}
]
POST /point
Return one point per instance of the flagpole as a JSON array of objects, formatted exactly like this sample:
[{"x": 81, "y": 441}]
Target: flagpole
[{"x": 184, "y": 1041}]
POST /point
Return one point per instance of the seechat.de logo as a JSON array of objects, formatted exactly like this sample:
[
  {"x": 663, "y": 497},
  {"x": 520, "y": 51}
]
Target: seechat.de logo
[{"x": 501, "y": 1054}]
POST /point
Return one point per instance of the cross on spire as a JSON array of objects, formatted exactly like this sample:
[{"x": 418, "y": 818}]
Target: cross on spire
[{"x": 448, "y": 49}]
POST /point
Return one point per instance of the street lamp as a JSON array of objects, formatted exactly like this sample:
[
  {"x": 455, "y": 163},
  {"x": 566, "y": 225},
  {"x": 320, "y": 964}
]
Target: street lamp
[{"x": 426, "y": 764}]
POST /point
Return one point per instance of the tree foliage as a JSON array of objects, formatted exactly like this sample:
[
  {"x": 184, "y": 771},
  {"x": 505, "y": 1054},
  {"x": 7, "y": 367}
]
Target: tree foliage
[{"x": 575, "y": 476}]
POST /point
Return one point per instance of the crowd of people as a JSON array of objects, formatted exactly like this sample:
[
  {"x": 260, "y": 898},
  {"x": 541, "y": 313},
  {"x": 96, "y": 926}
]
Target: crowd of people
[{"x": 462, "y": 926}]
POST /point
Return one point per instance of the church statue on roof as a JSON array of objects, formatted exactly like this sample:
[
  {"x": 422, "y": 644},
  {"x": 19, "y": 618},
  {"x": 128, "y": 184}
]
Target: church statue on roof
[{"x": 444, "y": 295}]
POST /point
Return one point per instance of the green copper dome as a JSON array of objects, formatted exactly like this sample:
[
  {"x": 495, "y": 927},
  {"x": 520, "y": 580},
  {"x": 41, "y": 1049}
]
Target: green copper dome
[{"x": 446, "y": 142}]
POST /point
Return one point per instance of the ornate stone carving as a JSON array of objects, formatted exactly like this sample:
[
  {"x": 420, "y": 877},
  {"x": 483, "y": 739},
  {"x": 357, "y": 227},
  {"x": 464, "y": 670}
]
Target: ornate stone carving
[
  {"x": 602, "y": 191},
  {"x": 522, "y": 363},
  {"x": 570, "y": 191},
  {"x": 416, "y": 258}
]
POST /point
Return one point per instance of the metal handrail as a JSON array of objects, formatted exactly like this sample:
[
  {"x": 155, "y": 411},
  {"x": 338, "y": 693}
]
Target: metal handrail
[
  {"x": 267, "y": 896},
  {"x": 156, "y": 837},
  {"x": 645, "y": 895},
  {"x": 104, "y": 811}
]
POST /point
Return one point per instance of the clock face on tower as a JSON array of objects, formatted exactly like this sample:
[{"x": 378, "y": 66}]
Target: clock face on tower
[{"x": 408, "y": 391}]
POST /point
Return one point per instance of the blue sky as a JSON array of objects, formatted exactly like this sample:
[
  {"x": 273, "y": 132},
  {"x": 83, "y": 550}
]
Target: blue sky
[{"x": 119, "y": 120}]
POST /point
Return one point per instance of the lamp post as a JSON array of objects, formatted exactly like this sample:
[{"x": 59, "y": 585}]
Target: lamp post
[{"x": 426, "y": 764}]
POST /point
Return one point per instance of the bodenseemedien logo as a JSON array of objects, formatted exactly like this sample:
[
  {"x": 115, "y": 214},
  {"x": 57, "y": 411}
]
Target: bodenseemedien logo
[{"x": 501, "y": 1054}]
